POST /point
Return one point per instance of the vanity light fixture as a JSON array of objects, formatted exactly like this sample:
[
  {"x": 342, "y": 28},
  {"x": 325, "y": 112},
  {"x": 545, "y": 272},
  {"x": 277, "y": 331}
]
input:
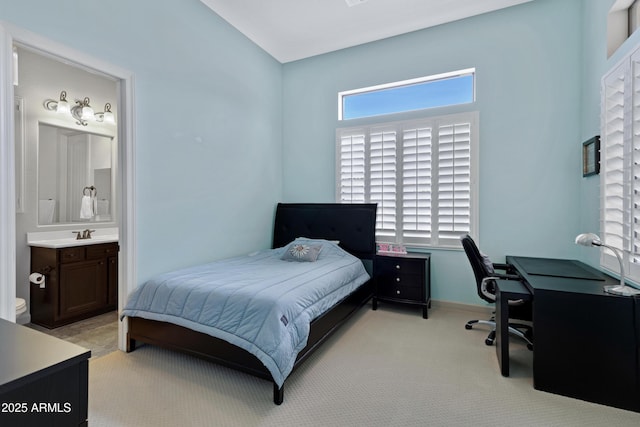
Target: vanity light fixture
[
  {"x": 81, "y": 111},
  {"x": 107, "y": 116},
  {"x": 61, "y": 106}
]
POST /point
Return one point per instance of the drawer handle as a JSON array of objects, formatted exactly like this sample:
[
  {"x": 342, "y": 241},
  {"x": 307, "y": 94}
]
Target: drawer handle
[
  {"x": 397, "y": 279},
  {"x": 397, "y": 266},
  {"x": 398, "y": 292}
]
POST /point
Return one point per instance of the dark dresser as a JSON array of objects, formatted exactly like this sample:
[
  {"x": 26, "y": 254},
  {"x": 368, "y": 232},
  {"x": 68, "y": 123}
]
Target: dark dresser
[
  {"x": 403, "y": 278},
  {"x": 44, "y": 381}
]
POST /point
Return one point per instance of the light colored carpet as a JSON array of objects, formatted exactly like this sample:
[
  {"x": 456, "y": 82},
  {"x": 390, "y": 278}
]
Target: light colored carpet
[{"x": 387, "y": 367}]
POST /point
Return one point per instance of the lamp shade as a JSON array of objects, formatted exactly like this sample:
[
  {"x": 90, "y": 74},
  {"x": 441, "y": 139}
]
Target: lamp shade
[
  {"x": 87, "y": 113},
  {"x": 63, "y": 106},
  {"x": 588, "y": 239},
  {"x": 108, "y": 116}
]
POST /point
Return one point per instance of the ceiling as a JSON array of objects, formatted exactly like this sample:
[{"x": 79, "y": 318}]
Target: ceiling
[{"x": 295, "y": 29}]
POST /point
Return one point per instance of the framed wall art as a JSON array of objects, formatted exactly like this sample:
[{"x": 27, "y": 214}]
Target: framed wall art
[{"x": 591, "y": 156}]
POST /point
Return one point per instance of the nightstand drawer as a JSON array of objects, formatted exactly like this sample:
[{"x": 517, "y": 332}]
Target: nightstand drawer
[
  {"x": 398, "y": 265},
  {"x": 401, "y": 292},
  {"x": 390, "y": 279}
]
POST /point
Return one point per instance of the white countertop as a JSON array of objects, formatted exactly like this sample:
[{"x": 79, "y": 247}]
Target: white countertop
[{"x": 66, "y": 238}]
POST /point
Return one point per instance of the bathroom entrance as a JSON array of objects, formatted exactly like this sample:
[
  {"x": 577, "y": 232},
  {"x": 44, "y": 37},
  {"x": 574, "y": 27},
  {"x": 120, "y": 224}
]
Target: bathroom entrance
[{"x": 45, "y": 77}]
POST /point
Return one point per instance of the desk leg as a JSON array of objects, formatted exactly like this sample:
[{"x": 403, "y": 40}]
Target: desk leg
[{"x": 502, "y": 332}]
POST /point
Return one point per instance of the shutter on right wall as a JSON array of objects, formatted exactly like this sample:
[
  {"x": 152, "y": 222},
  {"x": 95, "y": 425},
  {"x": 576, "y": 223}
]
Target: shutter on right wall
[{"x": 612, "y": 158}]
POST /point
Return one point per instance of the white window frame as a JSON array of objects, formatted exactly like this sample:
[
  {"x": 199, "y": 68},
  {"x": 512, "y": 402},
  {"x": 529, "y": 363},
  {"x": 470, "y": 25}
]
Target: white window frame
[{"x": 364, "y": 170}]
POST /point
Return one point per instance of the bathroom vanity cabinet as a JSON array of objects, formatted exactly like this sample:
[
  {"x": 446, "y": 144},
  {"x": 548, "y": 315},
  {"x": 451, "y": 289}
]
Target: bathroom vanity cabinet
[{"x": 80, "y": 282}]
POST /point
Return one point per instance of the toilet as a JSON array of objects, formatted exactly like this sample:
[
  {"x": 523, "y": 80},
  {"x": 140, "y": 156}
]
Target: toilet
[{"x": 21, "y": 307}]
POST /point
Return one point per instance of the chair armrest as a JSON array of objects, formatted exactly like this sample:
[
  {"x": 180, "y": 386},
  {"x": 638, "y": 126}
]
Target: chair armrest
[
  {"x": 506, "y": 276},
  {"x": 501, "y": 266},
  {"x": 508, "y": 268}
]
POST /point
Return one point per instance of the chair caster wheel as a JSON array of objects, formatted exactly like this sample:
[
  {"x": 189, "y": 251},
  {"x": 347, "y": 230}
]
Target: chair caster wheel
[
  {"x": 467, "y": 326},
  {"x": 488, "y": 341}
]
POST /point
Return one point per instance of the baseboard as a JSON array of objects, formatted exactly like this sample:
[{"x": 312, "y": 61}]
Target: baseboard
[{"x": 483, "y": 309}]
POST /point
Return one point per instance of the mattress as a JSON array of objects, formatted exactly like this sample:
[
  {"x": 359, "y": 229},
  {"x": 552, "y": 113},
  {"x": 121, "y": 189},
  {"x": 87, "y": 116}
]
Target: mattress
[{"x": 259, "y": 302}]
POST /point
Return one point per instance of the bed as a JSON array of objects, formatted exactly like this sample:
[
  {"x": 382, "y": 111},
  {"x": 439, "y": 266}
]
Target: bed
[{"x": 341, "y": 236}]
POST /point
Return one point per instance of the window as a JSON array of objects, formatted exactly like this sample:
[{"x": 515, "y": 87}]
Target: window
[
  {"x": 620, "y": 168},
  {"x": 440, "y": 90},
  {"x": 421, "y": 173},
  {"x": 623, "y": 20}
]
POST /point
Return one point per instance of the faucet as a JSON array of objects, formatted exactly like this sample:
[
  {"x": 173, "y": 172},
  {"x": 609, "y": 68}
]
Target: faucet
[{"x": 85, "y": 234}]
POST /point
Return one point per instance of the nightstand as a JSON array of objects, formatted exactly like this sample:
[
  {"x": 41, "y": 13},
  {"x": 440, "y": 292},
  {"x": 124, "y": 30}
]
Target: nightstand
[{"x": 403, "y": 278}]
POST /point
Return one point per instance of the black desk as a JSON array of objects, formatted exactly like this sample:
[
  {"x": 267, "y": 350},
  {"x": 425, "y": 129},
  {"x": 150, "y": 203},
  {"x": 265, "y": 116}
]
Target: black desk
[
  {"x": 43, "y": 380},
  {"x": 586, "y": 342},
  {"x": 506, "y": 290}
]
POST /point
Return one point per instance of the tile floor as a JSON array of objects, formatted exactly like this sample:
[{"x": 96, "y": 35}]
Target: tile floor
[{"x": 99, "y": 334}]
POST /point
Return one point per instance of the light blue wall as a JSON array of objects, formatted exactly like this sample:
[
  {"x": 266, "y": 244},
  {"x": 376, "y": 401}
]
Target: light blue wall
[
  {"x": 224, "y": 131},
  {"x": 528, "y": 62},
  {"x": 209, "y": 122}
]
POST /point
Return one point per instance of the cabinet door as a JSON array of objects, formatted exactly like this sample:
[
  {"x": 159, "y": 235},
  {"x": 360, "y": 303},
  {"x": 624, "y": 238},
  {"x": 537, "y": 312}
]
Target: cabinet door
[{"x": 83, "y": 287}]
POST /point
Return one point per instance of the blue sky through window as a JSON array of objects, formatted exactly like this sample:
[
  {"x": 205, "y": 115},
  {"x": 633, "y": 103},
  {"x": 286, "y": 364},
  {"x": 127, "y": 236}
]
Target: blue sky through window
[{"x": 428, "y": 94}]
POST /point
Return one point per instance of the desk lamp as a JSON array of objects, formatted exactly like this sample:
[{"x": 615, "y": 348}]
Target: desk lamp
[{"x": 590, "y": 239}]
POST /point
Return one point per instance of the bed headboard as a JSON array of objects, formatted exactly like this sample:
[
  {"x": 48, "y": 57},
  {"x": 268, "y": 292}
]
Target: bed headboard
[{"x": 354, "y": 225}]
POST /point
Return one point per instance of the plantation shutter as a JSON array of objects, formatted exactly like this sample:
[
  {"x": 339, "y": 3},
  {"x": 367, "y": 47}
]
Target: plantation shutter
[
  {"x": 620, "y": 166},
  {"x": 454, "y": 181},
  {"x": 416, "y": 184},
  {"x": 612, "y": 158},
  {"x": 635, "y": 161},
  {"x": 352, "y": 168},
  {"x": 383, "y": 181},
  {"x": 418, "y": 172}
]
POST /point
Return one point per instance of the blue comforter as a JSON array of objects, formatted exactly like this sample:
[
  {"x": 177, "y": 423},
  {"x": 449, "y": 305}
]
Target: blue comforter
[{"x": 258, "y": 302}]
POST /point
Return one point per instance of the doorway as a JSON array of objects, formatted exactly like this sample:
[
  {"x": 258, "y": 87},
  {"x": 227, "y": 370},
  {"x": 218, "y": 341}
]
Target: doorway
[{"x": 124, "y": 186}]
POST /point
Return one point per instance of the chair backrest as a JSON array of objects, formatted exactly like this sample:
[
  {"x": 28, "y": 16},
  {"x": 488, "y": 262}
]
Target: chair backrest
[{"x": 477, "y": 261}]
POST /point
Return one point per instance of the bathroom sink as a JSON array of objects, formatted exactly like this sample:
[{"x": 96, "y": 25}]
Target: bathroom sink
[{"x": 56, "y": 240}]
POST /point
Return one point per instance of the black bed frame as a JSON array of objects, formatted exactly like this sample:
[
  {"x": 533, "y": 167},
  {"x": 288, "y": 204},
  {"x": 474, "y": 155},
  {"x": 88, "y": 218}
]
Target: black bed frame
[{"x": 352, "y": 224}]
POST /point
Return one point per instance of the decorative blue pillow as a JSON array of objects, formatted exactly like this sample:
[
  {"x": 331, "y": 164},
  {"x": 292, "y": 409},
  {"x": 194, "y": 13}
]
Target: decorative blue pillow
[{"x": 301, "y": 252}]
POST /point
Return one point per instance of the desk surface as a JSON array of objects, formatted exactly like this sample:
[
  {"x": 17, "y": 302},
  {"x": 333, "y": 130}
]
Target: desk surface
[
  {"x": 26, "y": 353},
  {"x": 561, "y": 275}
]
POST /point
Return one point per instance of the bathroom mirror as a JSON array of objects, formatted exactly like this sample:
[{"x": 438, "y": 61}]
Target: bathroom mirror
[{"x": 75, "y": 179}]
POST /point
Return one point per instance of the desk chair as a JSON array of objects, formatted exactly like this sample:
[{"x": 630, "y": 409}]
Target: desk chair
[{"x": 485, "y": 273}]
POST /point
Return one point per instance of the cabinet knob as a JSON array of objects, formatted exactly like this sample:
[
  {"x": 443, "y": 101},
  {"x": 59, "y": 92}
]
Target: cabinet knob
[
  {"x": 397, "y": 279},
  {"x": 398, "y": 292},
  {"x": 397, "y": 266}
]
